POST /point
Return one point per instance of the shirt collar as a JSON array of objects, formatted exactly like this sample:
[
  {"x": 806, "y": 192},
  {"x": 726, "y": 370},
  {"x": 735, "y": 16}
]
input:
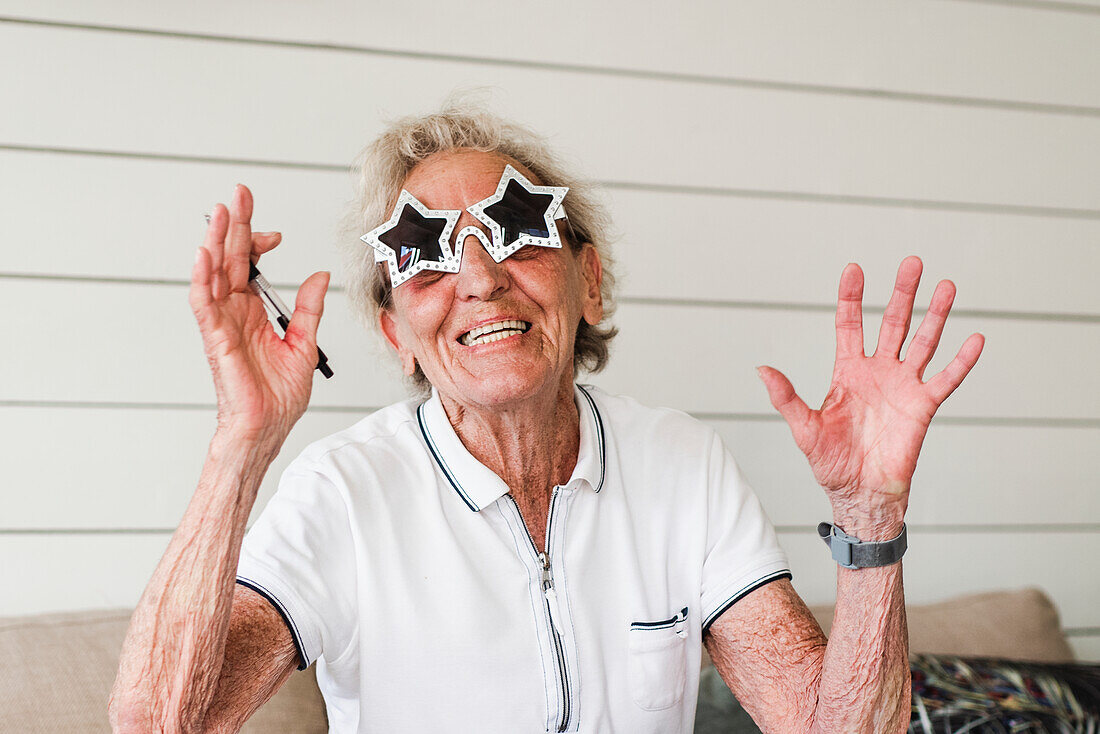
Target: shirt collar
[{"x": 475, "y": 483}]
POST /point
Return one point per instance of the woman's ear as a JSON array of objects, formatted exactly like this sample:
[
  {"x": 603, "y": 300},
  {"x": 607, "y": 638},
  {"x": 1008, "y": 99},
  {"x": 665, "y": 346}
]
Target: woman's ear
[
  {"x": 391, "y": 331},
  {"x": 592, "y": 271}
]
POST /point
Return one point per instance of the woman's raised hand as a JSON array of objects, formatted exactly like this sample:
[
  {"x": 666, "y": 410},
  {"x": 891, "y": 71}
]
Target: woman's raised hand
[
  {"x": 863, "y": 442},
  {"x": 263, "y": 381}
]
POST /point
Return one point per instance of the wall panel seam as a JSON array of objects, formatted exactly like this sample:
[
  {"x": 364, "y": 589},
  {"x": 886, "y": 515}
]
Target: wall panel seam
[
  {"x": 943, "y": 420},
  {"x": 1048, "y": 108},
  {"x": 977, "y": 207},
  {"x": 967, "y": 528},
  {"x": 1064, "y": 7},
  {"x": 720, "y": 303},
  {"x": 1002, "y": 528}
]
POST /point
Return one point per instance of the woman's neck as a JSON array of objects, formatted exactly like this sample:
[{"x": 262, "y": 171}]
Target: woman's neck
[{"x": 532, "y": 445}]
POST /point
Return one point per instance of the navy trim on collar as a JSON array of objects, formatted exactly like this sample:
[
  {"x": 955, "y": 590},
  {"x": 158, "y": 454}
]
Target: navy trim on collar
[
  {"x": 441, "y": 462},
  {"x": 599, "y": 436},
  {"x": 459, "y": 467}
]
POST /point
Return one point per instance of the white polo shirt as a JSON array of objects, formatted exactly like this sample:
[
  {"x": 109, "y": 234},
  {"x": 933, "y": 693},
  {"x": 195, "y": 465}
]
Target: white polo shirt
[{"x": 403, "y": 567}]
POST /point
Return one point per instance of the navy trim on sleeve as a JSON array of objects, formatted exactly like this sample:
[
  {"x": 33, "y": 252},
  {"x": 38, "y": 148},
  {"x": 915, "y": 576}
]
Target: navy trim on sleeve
[
  {"x": 740, "y": 594},
  {"x": 282, "y": 613}
]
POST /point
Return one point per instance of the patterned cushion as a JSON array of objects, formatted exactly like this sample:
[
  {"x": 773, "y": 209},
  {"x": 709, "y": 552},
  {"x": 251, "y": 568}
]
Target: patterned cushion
[{"x": 952, "y": 694}]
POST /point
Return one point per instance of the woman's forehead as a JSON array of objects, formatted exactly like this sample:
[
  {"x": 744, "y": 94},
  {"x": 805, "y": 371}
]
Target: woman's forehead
[{"x": 454, "y": 179}]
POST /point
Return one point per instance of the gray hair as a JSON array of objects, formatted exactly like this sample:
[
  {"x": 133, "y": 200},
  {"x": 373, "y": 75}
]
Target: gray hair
[{"x": 384, "y": 165}]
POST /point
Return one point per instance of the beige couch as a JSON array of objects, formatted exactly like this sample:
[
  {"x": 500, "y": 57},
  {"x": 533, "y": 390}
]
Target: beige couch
[{"x": 57, "y": 669}]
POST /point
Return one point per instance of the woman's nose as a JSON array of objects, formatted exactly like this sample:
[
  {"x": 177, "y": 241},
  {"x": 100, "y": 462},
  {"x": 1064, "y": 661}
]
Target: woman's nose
[{"x": 479, "y": 276}]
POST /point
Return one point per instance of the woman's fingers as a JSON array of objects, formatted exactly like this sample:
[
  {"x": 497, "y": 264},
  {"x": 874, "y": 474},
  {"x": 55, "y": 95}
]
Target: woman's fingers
[
  {"x": 899, "y": 311},
  {"x": 943, "y": 384},
  {"x": 308, "y": 307},
  {"x": 927, "y": 338},
  {"x": 264, "y": 242},
  {"x": 199, "y": 295},
  {"x": 849, "y": 313},
  {"x": 214, "y": 244},
  {"x": 238, "y": 243},
  {"x": 232, "y": 243},
  {"x": 786, "y": 401}
]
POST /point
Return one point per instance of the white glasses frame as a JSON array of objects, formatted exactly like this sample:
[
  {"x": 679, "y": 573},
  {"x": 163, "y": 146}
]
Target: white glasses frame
[{"x": 494, "y": 244}]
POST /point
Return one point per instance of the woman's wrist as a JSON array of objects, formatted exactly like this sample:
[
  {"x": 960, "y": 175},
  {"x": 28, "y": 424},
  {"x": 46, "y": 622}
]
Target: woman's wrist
[
  {"x": 244, "y": 455},
  {"x": 253, "y": 438},
  {"x": 872, "y": 521}
]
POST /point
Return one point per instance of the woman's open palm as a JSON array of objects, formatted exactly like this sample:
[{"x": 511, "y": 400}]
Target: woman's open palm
[{"x": 864, "y": 441}]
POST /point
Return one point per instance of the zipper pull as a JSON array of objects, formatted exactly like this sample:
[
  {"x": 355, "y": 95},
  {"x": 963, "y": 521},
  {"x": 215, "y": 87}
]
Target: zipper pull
[
  {"x": 548, "y": 591},
  {"x": 547, "y": 582}
]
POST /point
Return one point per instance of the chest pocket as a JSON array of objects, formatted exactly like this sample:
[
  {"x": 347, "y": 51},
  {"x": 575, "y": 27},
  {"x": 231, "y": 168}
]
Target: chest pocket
[{"x": 658, "y": 659}]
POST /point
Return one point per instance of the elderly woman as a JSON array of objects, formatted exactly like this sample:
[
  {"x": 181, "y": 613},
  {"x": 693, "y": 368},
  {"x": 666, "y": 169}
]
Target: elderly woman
[{"x": 513, "y": 551}]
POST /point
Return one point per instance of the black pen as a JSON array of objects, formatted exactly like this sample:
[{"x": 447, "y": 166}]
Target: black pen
[{"x": 276, "y": 308}]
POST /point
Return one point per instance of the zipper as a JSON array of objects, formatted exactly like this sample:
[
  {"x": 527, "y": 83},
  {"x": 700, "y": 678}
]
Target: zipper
[{"x": 550, "y": 600}]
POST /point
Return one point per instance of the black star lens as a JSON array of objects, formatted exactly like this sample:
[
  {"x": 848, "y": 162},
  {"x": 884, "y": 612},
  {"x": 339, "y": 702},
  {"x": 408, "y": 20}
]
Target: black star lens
[
  {"x": 520, "y": 212},
  {"x": 415, "y": 238}
]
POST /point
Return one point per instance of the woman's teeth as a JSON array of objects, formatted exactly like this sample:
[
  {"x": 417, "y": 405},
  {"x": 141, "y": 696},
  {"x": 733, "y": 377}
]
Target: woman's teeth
[{"x": 487, "y": 333}]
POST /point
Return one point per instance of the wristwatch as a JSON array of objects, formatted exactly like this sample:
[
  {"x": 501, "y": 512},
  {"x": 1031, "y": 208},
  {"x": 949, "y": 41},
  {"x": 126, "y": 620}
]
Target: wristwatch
[{"x": 851, "y": 552}]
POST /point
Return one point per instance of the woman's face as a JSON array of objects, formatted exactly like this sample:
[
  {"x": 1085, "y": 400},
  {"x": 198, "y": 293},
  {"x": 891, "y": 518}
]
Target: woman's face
[{"x": 548, "y": 289}]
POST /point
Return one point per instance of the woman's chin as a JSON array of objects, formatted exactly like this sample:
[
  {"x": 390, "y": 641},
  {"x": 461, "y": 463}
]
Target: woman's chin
[{"x": 502, "y": 387}]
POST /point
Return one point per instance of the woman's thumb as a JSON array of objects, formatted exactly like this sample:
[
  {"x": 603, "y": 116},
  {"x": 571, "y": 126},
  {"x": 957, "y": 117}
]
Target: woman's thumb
[{"x": 308, "y": 307}]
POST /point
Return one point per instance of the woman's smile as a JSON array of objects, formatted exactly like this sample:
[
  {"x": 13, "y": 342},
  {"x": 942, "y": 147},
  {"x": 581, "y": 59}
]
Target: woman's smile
[{"x": 494, "y": 331}]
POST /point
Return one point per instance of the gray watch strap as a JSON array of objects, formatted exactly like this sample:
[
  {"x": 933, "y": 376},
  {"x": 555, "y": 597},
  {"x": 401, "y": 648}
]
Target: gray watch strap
[{"x": 851, "y": 552}]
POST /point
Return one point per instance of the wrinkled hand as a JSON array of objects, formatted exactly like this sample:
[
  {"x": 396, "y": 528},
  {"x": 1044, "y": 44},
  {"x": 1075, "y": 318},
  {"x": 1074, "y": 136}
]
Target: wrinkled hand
[
  {"x": 863, "y": 442},
  {"x": 263, "y": 381}
]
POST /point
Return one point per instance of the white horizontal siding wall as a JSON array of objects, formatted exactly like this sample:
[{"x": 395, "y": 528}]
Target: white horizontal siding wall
[{"x": 791, "y": 138}]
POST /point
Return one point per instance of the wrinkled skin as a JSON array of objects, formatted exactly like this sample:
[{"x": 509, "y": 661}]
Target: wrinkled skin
[{"x": 864, "y": 440}]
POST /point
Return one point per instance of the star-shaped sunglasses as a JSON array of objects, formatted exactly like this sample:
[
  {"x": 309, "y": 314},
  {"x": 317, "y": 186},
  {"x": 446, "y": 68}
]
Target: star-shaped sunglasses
[{"x": 418, "y": 238}]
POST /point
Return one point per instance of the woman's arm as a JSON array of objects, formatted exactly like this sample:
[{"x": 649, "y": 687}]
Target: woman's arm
[
  {"x": 865, "y": 677},
  {"x": 769, "y": 650},
  {"x": 862, "y": 445},
  {"x": 173, "y": 654},
  {"x": 178, "y": 652},
  {"x": 772, "y": 654},
  {"x": 260, "y": 656}
]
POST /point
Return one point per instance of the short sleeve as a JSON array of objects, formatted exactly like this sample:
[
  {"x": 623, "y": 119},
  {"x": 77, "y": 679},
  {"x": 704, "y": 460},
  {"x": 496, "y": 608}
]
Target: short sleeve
[
  {"x": 299, "y": 555},
  {"x": 742, "y": 551}
]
